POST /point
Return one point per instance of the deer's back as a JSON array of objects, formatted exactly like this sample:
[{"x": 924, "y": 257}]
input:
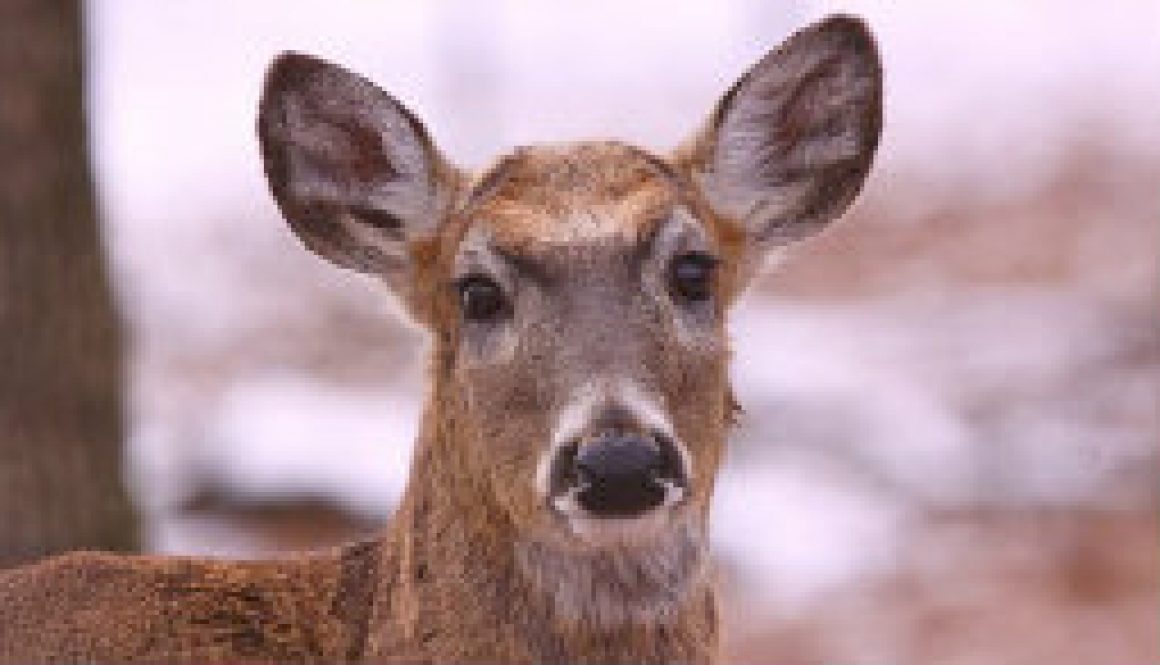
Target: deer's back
[{"x": 90, "y": 607}]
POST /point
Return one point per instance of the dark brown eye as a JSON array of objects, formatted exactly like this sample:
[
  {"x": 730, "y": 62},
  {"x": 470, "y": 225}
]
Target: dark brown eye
[
  {"x": 691, "y": 276},
  {"x": 481, "y": 299}
]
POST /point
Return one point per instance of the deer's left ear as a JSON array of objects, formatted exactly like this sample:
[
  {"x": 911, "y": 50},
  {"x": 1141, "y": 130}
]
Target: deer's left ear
[{"x": 788, "y": 147}]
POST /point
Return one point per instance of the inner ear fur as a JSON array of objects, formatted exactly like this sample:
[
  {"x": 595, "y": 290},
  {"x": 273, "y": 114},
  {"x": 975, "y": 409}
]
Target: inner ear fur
[
  {"x": 789, "y": 146},
  {"x": 353, "y": 171}
]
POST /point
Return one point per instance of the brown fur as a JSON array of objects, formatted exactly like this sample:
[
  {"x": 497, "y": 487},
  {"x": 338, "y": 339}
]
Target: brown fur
[
  {"x": 530, "y": 196},
  {"x": 475, "y": 567}
]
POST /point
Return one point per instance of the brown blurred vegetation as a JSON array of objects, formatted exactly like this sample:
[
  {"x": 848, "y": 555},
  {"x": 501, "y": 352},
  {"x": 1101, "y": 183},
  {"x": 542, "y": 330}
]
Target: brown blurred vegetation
[
  {"x": 1091, "y": 226},
  {"x": 1017, "y": 587}
]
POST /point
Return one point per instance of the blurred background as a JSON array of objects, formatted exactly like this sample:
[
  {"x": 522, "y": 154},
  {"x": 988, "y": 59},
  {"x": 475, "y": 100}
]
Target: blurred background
[{"x": 950, "y": 451}]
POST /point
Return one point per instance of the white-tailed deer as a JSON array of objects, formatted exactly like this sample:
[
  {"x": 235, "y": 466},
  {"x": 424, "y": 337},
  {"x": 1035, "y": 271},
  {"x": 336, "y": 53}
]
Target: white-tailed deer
[{"x": 576, "y": 297}]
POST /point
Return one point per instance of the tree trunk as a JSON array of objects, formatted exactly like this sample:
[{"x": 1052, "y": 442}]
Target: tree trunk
[{"x": 61, "y": 371}]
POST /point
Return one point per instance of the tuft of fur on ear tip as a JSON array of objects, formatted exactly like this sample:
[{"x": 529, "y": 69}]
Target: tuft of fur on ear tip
[{"x": 291, "y": 69}]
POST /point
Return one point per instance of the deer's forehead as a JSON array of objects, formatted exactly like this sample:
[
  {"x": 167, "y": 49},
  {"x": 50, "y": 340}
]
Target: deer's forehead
[{"x": 582, "y": 193}]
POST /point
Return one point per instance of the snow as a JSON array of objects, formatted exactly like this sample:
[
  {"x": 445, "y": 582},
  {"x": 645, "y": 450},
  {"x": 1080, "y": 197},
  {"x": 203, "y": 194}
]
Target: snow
[{"x": 302, "y": 436}]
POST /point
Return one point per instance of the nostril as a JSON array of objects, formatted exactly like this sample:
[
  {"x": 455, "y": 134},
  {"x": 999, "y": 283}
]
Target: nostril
[
  {"x": 672, "y": 465},
  {"x": 563, "y": 473}
]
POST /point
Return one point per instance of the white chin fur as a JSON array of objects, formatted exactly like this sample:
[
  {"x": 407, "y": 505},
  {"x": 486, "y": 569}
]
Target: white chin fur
[{"x": 630, "y": 578}]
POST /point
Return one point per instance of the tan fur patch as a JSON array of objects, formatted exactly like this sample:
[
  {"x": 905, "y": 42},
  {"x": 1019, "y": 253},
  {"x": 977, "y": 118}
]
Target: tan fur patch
[{"x": 550, "y": 195}]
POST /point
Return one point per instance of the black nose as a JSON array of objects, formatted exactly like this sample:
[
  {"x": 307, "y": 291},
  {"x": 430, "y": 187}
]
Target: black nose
[{"x": 622, "y": 475}]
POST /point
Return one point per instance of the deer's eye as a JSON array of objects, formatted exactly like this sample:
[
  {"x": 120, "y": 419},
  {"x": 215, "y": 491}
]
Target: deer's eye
[
  {"x": 481, "y": 299},
  {"x": 691, "y": 276}
]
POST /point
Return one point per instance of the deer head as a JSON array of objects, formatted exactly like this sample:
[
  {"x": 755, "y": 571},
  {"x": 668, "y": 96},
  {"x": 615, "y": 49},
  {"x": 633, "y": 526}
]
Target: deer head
[{"x": 577, "y": 294}]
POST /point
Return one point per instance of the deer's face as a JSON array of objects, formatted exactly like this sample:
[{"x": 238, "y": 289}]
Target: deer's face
[
  {"x": 578, "y": 293},
  {"x": 588, "y": 338}
]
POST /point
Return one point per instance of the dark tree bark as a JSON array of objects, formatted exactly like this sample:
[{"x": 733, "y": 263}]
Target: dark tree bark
[{"x": 61, "y": 372}]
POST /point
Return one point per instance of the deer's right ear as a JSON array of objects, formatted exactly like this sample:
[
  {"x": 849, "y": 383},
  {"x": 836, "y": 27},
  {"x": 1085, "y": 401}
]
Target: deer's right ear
[
  {"x": 789, "y": 146},
  {"x": 353, "y": 171}
]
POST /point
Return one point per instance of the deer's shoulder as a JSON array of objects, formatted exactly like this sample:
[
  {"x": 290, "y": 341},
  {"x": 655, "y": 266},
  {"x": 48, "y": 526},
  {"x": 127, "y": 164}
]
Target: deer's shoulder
[{"x": 300, "y": 608}]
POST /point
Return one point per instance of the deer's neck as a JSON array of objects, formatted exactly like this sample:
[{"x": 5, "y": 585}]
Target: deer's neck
[{"x": 460, "y": 584}]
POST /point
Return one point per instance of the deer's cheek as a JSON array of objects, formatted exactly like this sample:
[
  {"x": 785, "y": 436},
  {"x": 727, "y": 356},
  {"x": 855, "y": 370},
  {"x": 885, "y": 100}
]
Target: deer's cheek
[
  {"x": 485, "y": 346},
  {"x": 511, "y": 465}
]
